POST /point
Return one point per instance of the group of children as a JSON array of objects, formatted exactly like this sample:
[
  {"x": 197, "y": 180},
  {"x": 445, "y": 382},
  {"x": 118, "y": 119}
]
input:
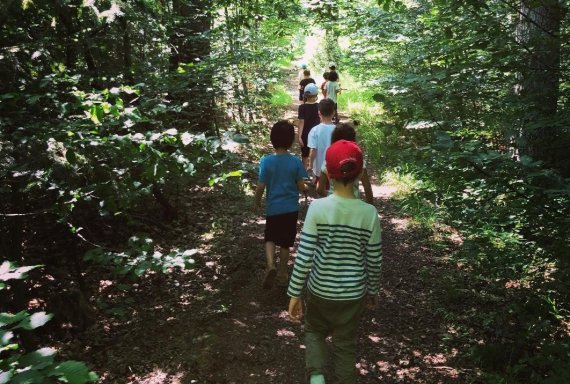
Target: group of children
[
  {"x": 330, "y": 87},
  {"x": 338, "y": 262}
]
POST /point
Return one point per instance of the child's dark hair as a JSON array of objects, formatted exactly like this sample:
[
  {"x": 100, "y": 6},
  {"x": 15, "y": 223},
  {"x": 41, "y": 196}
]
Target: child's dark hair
[
  {"x": 326, "y": 107},
  {"x": 348, "y": 167},
  {"x": 326, "y": 75},
  {"x": 282, "y": 134},
  {"x": 306, "y": 72},
  {"x": 333, "y": 76},
  {"x": 343, "y": 131}
]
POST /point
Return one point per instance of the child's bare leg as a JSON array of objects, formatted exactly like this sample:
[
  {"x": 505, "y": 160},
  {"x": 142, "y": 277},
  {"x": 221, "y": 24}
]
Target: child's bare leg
[
  {"x": 270, "y": 254},
  {"x": 270, "y": 271},
  {"x": 283, "y": 273}
]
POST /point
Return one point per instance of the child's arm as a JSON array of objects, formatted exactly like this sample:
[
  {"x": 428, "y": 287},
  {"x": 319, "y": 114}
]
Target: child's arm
[
  {"x": 367, "y": 187},
  {"x": 373, "y": 261},
  {"x": 303, "y": 261},
  {"x": 301, "y": 185},
  {"x": 312, "y": 157},
  {"x": 300, "y": 124},
  {"x": 323, "y": 179},
  {"x": 259, "y": 189}
]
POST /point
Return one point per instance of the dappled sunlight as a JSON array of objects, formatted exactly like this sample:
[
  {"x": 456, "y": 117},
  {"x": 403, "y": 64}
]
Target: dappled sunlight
[
  {"x": 399, "y": 224},
  {"x": 158, "y": 376},
  {"x": 283, "y": 332},
  {"x": 383, "y": 191}
]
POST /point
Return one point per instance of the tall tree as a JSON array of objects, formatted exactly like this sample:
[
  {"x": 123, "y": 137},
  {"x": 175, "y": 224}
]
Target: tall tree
[{"x": 538, "y": 32}]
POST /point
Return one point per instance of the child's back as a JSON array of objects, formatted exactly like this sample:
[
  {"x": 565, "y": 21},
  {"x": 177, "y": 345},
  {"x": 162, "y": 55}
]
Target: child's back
[
  {"x": 343, "y": 228},
  {"x": 280, "y": 173}
]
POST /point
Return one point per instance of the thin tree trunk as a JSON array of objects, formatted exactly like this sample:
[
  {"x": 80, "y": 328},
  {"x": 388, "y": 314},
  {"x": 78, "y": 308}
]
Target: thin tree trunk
[{"x": 539, "y": 31}]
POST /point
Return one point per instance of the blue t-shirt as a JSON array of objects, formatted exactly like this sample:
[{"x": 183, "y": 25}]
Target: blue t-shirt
[{"x": 280, "y": 174}]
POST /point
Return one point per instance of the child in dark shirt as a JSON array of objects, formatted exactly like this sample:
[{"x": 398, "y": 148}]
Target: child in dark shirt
[
  {"x": 308, "y": 116},
  {"x": 307, "y": 79}
]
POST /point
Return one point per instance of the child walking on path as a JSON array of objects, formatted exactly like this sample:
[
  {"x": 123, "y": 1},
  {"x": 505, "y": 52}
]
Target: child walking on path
[
  {"x": 333, "y": 89},
  {"x": 339, "y": 258},
  {"x": 307, "y": 79},
  {"x": 282, "y": 175},
  {"x": 320, "y": 137},
  {"x": 346, "y": 131},
  {"x": 324, "y": 84},
  {"x": 308, "y": 116}
]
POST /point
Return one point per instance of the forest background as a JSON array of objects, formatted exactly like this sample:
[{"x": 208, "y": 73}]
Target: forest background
[{"x": 112, "y": 113}]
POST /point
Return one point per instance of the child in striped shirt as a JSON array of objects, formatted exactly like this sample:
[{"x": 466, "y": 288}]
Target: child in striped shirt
[{"x": 339, "y": 258}]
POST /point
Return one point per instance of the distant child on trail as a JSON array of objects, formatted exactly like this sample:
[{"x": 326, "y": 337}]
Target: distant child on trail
[
  {"x": 324, "y": 84},
  {"x": 333, "y": 89},
  {"x": 346, "y": 131},
  {"x": 332, "y": 68},
  {"x": 320, "y": 137},
  {"x": 307, "y": 79},
  {"x": 282, "y": 175},
  {"x": 338, "y": 261},
  {"x": 308, "y": 116}
]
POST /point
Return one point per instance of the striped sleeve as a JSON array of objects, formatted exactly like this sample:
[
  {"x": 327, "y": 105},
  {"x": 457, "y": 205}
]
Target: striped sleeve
[
  {"x": 374, "y": 258},
  {"x": 305, "y": 254}
]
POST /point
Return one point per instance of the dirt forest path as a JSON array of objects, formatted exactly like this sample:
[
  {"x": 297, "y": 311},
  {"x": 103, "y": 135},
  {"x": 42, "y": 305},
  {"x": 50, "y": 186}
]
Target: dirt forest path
[{"x": 214, "y": 324}]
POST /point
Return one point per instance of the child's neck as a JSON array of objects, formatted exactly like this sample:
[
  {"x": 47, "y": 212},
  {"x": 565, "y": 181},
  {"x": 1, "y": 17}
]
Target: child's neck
[
  {"x": 281, "y": 151},
  {"x": 342, "y": 190},
  {"x": 326, "y": 120}
]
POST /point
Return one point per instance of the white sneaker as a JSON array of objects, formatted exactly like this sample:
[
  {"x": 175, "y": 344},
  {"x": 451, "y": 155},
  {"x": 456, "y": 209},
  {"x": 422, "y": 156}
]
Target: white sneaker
[{"x": 317, "y": 379}]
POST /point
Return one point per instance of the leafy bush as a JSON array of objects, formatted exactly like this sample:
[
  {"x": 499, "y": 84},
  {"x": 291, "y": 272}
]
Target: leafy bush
[{"x": 37, "y": 367}]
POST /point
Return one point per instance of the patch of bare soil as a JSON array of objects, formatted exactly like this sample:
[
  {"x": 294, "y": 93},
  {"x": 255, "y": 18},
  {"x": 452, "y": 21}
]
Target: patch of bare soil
[{"x": 215, "y": 324}]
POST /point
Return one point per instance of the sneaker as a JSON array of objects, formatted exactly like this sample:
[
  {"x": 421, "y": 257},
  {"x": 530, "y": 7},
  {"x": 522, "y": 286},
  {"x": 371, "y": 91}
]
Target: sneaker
[
  {"x": 317, "y": 379},
  {"x": 269, "y": 278}
]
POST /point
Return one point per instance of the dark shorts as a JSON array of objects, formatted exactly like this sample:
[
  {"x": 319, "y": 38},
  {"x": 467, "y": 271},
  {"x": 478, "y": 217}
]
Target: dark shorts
[
  {"x": 281, "y": 229},
  {"x": 305, "y": 151}
]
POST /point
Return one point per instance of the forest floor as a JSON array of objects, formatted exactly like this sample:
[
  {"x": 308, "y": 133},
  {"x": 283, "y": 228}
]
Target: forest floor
[{"x": 215, "y": 324}]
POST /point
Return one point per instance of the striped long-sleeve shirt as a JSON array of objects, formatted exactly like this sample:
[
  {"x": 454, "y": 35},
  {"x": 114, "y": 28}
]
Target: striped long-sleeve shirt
[{"x": 340, "y": 253}]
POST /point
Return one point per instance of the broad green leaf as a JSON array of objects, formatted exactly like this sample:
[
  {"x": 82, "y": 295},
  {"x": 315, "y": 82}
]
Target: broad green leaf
[
  {"x": 5, "y": 377},
  {"x": 75, "y": 372},
  {"x": 38, "y": 359},
  {"x": 10, "y": 318},
  {"x": 36, "y": 320}
]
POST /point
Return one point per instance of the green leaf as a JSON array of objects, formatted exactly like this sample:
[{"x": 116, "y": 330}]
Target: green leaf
[
  {"x": 5, "y": 377},
  {"x": 5, "y": 337},
  {"x": 75, "y": 372},
  {"x": 36, "y": 320},
  {"x": 39, "y": 359},
  {"x": 10, "y": 318},
  {"x": 8, "y": 272},
  {"x": 93, "y": 114}
]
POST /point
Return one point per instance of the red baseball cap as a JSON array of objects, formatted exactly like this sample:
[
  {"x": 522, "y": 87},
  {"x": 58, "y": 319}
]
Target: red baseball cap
[{"x": 344, "y": 160}]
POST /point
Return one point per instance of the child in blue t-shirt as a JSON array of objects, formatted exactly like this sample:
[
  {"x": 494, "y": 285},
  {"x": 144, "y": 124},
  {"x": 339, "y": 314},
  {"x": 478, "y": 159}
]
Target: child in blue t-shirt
[{"x": 282, "y": 175}]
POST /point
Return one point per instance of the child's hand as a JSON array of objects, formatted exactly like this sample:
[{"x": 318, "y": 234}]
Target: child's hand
[{"x": 296, "y": 310}]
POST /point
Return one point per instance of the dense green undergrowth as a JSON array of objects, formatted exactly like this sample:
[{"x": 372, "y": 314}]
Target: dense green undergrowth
[{"x": 438, "y": 123}]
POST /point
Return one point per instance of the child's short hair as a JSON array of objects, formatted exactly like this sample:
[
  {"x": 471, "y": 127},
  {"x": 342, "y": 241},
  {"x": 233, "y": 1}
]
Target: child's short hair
[
  {"x": 326, "y": 107},
  {"x": 306, "y": 72},
  {"x": 343, "y": 131},
  {"x": 282, "y": 134},
  {"x": 333, "y": 76},
  {"x": 326, "y": 75}
]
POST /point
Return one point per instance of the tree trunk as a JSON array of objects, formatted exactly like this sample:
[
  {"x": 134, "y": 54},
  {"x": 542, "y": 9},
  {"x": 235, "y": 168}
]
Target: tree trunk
[
  {"x": 538, "y": 32},
  {"x": 190, "y": 44}
]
